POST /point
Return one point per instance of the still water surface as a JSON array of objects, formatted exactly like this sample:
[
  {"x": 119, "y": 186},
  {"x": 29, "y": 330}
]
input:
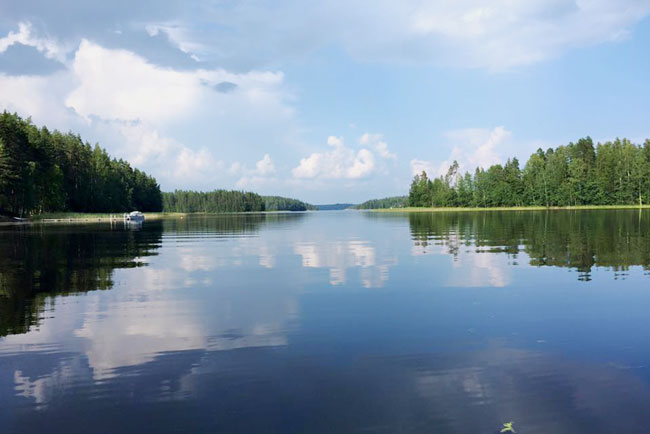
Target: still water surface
[{"x": 329, "y": 322}]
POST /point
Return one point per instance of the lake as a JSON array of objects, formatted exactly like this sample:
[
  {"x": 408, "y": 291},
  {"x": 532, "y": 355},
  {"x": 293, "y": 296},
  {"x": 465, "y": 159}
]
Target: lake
[{"x": 329, "y": 322}]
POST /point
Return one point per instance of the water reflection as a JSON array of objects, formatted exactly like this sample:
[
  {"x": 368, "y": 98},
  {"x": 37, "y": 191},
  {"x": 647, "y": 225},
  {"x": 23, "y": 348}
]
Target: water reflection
[
  {"x": 339, "y": 256},
  {"x": 579, "y": 240},
  {"x": 262, "y": 323},
  {"x": 37, "y": 261}
]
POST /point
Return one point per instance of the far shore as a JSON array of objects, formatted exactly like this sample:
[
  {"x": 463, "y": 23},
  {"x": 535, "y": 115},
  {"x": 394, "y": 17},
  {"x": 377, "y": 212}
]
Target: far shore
[
  {"x": 63, "y": 217},
  {"x": 510, "y": 208}
]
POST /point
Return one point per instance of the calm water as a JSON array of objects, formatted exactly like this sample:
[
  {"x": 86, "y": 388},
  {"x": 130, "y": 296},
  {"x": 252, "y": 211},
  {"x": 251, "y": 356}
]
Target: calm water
[{"x": 330, "y": 322}]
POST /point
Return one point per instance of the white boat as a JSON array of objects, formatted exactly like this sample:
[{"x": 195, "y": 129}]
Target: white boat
[{"x": 135, "y": 217}]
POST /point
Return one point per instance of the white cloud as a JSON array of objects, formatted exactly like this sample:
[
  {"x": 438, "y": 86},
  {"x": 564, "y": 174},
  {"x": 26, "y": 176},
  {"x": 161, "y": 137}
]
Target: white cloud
[
  {"x": 497, "y": 35},
  {"x": 168, "y": 122},
  {"x": 380, "y": 146},
  {"x": 478, "y": 147},
  {"x": 339, "y": 163},
  {"x": 265, "y": 166},
  {"x": 118, "y": 85},
  {"x": 25, "y": 36},
  {"x": 196, "y": 165},
  {"x": 178, "y": 35},
  {"x": 262, "y": 174},
  {"x": 341, "y": 256},
  {"x": 419, "y": 166},
  {"x": 471, "y": 148}
]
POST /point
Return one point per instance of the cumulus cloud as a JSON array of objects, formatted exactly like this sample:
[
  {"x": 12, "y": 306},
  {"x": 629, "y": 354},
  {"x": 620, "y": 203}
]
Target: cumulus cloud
[
  {"x": 25, "y": 36},
  {"x": 262, "y": 174},
  {"x": 376, "y": 142},
  {"x": 117, "y": 84},
  {"x": 150, "y": 115},
  {"x": 265, "y": 166},
  {"x": 341, "y": 162},
  {"x": 471, "y": 148},
  {"x": 195, "y": 164},
  {"x": 478, "y": 147}
]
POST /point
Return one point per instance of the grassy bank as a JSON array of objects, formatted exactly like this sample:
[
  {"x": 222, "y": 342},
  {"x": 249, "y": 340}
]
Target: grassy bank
[
  {"x": 73, "y": 216},
  {"x": 511, "y": 208},
  {"x": 105, "y": 217}
]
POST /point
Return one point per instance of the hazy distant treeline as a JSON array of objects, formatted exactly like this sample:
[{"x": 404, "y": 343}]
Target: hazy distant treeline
[
  {"x": 611, "y": 173},
  {"x": 44, "y": 171},
  {"x": 227, "y": 201}
]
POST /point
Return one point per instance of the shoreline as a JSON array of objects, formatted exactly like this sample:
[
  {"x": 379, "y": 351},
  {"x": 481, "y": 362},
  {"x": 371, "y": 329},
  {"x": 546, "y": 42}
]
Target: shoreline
[
  {"x": 510, "y": 208},
  {"x": 117, "y": 217}
]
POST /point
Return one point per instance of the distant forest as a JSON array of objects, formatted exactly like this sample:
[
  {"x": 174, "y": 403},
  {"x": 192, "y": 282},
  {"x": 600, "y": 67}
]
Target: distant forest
[
  {"x": 228, "y": 201},
  {"x": 611, "y": 173},
  {"x": 334, "y": 206},
  {"x": 387, "y": 202},
  {"x": 278, "y": 203},
  {"x": 43, "y": 171}
]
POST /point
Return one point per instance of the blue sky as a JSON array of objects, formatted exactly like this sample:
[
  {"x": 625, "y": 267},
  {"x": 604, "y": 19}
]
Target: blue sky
[{"x": 326, "y": 101}]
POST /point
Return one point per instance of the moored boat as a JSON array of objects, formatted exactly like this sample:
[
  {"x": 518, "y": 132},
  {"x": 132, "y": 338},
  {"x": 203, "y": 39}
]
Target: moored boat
[{"x": 135, "y": 217}]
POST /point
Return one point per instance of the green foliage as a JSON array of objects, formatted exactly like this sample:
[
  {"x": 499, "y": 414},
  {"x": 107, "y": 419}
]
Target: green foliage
[
  {"x": 278, "y": 203},
  {"x": 212, "y": 201},
  {"x": 611, "y": 173},
  {"x": 387, "y": 202},
  {"x": 44, "y": 172}
]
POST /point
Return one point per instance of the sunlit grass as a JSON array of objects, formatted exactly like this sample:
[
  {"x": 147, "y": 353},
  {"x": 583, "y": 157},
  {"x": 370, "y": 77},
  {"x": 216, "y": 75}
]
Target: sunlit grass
[
  {"x": 508, "y": 208},
  {"x": 62, "y": 216}
]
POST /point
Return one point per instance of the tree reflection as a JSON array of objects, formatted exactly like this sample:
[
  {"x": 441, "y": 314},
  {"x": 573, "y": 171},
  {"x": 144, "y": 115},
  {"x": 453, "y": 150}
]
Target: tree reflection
[
  {"x": 580, "y": 240},
  {"x": 37, "y": 262}
]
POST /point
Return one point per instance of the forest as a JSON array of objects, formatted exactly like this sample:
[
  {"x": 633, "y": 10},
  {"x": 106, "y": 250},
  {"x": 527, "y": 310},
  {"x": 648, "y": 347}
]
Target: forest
[
  {"x": 228, "y": 201},
  {"x": 581, "y": 173},
  {"x": 387, "y": 202},
  {"x": 43, "y": 171},
  {"x": 211, "y": 201},
  {"x": 278, "y": 203}
]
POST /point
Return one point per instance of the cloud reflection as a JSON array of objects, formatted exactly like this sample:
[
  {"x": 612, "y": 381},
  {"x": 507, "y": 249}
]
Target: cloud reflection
[{"x": 339, "y": 256}]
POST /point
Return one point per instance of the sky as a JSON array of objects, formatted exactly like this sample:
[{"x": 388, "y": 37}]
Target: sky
[{"x": 331, "y": 101}]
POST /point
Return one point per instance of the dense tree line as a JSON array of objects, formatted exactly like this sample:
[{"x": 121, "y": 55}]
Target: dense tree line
[
  {"x": 387, "y": 202},
  {"x": 278, "y": 203},
  {"x": 228, "y": 201},
  {"x": 43, "y": 171},
  {"x": 611, "y": 173},
  {"x": 212, "y": 201}
]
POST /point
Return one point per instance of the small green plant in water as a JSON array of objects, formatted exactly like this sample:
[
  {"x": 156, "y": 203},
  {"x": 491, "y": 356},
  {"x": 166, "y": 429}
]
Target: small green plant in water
[{"x": 507, "y": 427}]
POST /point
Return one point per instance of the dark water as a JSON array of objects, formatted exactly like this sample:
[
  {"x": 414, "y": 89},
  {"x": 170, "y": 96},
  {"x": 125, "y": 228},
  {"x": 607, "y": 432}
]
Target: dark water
[{"x": 340, "y": 322}]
